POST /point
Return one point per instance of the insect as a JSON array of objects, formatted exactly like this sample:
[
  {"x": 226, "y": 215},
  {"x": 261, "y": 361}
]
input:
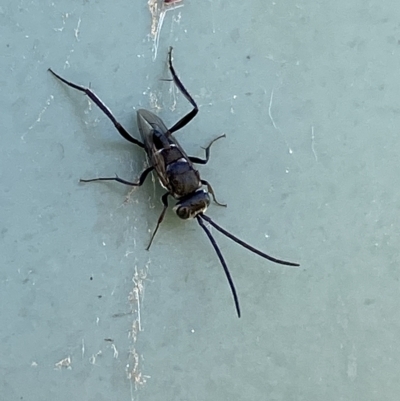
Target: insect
[{"x": 175, "y": 170}]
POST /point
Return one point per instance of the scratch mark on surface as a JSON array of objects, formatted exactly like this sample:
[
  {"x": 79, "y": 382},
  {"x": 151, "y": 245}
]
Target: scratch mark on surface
[
  {"x": 76, "y": 35},
  {"x": 39, "y": 118},
  {"x": 271, "y": 98},
  {"x": 154, "y": 101},
  {"x": 115, "y": 351},
  {"x": 76, "y": 30},
  {"x": 157, "y": 19},
  {"x": 269, "y": 110},
  {"x": 135, "y": 298},
  {"x": 173, "y": 90},
  {"x": 93, "y": 358},
  {"x": 313, "y": 143},
  {"x": 64, "y": 363}
]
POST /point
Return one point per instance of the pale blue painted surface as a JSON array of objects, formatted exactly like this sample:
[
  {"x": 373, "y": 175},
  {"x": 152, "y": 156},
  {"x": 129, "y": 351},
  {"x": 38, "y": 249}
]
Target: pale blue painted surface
[{"x": 307, "y": 93}]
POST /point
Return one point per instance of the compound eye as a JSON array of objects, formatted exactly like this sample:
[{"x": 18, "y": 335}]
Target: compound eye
[{"x": 183, "y": 212}]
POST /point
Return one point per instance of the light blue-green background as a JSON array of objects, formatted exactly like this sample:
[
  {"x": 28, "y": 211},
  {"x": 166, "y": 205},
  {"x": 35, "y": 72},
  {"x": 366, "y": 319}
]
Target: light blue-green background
[{"x": 308, "y": 94}]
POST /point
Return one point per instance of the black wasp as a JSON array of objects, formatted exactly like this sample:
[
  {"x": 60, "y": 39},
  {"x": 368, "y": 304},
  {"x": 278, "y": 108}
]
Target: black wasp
[{"x": 175, "y": 170}]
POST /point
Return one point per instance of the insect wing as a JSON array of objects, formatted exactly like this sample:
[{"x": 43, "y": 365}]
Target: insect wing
[
  {"x": 157, "y": 143},
  {"x": 148, "y": 123}
]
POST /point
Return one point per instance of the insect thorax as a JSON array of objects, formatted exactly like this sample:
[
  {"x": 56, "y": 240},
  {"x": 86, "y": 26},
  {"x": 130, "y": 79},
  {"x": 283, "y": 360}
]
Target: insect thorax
[{"x": 183, "y": 179}]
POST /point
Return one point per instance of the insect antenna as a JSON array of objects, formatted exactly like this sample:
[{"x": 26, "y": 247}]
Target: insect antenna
[
  {"x": 222, "y": 260},
  {"x": 244, "y": 244}
]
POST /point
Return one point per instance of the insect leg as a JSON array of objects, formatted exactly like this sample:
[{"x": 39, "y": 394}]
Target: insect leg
[
  {"x": 245, "y": 245},
  {"x": 102, "y": 107},
  {"x": 211, "y": 191},
  {"x": 116, "y": 178},
  {"x": 222, "y": 260},
  {"x": 164, "y": 200},
  {"x": 188, "y": 117},
  {"x": 197, "y": 160}
]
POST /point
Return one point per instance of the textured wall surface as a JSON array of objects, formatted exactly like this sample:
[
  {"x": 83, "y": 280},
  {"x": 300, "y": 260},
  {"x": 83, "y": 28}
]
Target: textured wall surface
[{"x": 307, "y": 93}]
